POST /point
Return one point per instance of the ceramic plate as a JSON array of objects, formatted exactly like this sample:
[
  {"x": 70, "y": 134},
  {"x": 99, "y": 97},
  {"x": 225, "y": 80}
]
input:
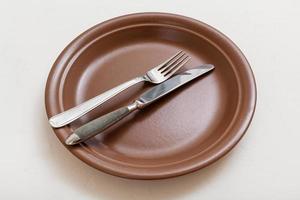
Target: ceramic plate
[{"x": 185, "y": 131}]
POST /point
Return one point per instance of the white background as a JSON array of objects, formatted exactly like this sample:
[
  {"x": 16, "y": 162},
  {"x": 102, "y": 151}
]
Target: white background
[{"x": 34, "y": 165}]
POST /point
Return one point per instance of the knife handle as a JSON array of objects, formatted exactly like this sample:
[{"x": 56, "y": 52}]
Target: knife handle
[{"x": 98, "y": 125}]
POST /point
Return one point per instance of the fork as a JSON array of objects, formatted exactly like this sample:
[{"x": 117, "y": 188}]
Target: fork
[{"x": 156, "y": 75}]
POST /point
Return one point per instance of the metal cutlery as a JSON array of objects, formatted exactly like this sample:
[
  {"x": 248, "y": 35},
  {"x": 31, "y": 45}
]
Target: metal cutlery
[
  {"x": 98, "y": 125},
  {"x": 156, "y": 75}
]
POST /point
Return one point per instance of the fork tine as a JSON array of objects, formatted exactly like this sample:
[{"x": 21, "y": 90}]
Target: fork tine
[
  {"x": 170, "y": 59},
  {"x": 171, "y": 63},
  {"x": 176, "y": 66}
]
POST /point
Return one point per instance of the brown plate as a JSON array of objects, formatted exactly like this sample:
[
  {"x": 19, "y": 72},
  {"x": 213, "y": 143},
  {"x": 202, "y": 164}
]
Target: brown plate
[{"x": 183, "y": 132}]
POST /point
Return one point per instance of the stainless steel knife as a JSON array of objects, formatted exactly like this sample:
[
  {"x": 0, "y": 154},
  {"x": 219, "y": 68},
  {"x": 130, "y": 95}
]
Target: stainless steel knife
[{"x": 98, "y": 125}]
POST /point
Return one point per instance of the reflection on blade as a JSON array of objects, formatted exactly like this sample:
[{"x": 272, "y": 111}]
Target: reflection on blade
[{"x": 173, "y": 83}]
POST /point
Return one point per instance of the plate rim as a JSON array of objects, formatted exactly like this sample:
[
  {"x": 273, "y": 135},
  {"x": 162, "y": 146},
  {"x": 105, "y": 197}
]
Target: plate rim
[{"x": 60, "y": 65}]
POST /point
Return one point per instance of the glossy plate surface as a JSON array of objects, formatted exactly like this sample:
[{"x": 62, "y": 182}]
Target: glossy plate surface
[{"x": 183, "y": 132}]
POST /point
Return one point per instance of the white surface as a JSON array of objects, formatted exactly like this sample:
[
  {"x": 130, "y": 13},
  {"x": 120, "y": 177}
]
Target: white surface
[{"x": 34, "y": 165}]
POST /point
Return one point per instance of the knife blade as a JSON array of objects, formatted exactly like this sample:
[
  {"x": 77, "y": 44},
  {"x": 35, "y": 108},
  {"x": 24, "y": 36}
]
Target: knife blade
[{"x": 98, "y": 125}]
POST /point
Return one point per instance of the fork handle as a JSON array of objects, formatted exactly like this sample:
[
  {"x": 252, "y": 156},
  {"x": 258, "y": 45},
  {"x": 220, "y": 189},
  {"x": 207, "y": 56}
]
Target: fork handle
[{"x": 74, "y": 113}]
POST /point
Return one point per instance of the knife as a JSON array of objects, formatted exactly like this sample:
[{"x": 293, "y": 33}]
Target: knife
[{"x": 98, "y": 125}]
